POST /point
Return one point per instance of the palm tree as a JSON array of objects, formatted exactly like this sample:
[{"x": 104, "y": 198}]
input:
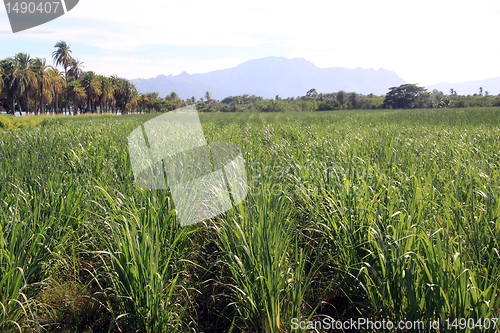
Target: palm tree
[
  {"x": 124, "y": 92},
  {"x": 92, "y": 86},
  {"x": 354, "y": 99},
  {"x": 8, "y": 90},
  {"x": 129, "y": 95},
  {"x": 29, "y": 77},
  {"x": 77, "y": 93},
  {"x": 1, "y": 79},
  {"x": 134, "y": 101},
  {"x": 45, "y": 90},
  {"x": 143, "y": 101},
  {"x": 153, "y": 100},
  {"x": 58, "y": 85},
  {"x": 117, "y": 91},
  {"x": 208, "y": 96},
  {"x": 174, "y": 101},
  {"x": 21, "y": 79},
  {"x": 106, "y": 91},
  {"x": 62, "y": 56},
  {"x": 75, "y": 68}
]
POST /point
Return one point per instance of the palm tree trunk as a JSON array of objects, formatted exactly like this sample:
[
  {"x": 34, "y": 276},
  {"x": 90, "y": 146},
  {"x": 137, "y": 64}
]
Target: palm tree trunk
[
  {"x": 41, "y": 101},
  {"x": 28, "y": 109},
  {"x": 88, "y": 100},
  {"x": 55, "y": 104},
  {"x": 19, "y": 107}
]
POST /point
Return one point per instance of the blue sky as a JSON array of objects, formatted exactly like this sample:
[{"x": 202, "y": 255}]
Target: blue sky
[{"x": 424, "y": 42}]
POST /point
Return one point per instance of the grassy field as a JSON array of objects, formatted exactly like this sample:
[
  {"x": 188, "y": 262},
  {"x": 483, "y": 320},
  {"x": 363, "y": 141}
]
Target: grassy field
[
  {"x": 384, "y": 215},
  {"x": 8, "y": 122}
]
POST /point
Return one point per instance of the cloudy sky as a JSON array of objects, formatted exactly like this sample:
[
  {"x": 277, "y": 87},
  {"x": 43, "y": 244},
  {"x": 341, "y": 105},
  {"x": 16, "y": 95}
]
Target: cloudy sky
[{"x": 424, "y": 42}]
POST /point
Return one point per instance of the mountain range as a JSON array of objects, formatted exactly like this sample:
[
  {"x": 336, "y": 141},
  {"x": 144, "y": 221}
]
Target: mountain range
[
  {"x": 470, "y": 87},
  {"x": 271, "y": 76}
]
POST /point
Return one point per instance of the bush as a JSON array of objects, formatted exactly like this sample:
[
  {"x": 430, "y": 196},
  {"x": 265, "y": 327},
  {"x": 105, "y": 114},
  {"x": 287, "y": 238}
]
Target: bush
[
  {"x": 6, "y": 122},
  {"x": 329, "y": 104}
]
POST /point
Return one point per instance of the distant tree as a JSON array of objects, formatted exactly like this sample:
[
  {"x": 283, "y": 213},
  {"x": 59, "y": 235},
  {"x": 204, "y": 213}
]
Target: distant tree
[
  {"x": 3, "y": 76},
  {"x": 354, "y": 99},
  {"x": 92, "y": 85},
  {"x": 43, "y": 83},
  {"x": 193, "y": 99},
  {"x": 436, "y": 99},
  {"x": 75, "y": 68},
  {"x": 76, "y": 92},
  {"x": 277, "y": 98},
  {"x": 312, "y": 93},
  {"x": 22, "y": 79},
  {"x": 329, "y": 104},
  {"x": 173, "y": 101},
  {"x": 62, "y": 56},
  {"x": 125, "y": 94},
  {"x": 480, "y": 91},
  {"x": 341, "y": 98},
  {"x": 208, "y": 96},
  {"x": 58, "y": 86},
  {"x": 405, "y": 96},
  {"x": 106, "y": 92}
]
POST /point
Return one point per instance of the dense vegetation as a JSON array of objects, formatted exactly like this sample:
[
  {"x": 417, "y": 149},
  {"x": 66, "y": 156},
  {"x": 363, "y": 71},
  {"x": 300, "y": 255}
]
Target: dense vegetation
[
  {"x": 407, "y": 96},
  {"x": 386, "y": 214}
]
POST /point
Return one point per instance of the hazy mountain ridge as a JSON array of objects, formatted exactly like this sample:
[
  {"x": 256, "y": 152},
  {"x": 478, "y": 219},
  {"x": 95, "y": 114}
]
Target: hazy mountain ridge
[
  {"x": 469, "y": 87},
  {"x": 271, "y": 76},
  {"x": 183, "y": 84}
]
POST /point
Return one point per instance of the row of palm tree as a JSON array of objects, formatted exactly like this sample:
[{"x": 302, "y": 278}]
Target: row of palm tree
[{"x": 29, "y": 85}]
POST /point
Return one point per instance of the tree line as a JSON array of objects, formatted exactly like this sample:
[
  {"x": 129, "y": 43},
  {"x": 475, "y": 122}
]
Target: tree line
[
  {"x": 28, "y": 85},
  {"x": 406, "y": 96}
]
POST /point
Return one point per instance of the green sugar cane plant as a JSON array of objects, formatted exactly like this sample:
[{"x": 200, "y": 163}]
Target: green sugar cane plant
[
  {"x": 144, "y": 245},
  {"x": 26, "y": 239},
  {"x": 37, "y": 209},
  {"x": 380, "y": 206},
  {"x": 448, "y": 273},
  {"x": 464, "y": 274},
  {"x": 267, "y": 268}
]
